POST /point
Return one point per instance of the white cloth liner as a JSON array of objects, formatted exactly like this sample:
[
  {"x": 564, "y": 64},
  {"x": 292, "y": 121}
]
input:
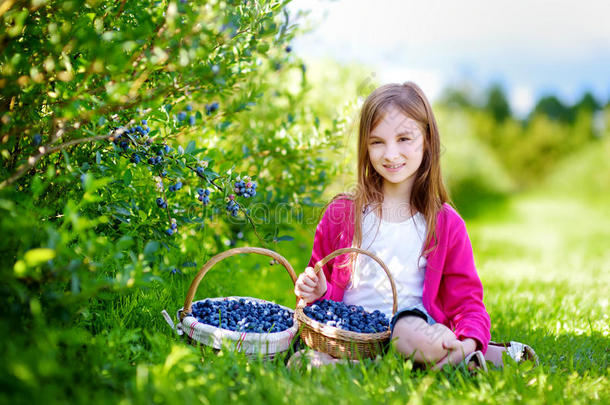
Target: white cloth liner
[{"x": 246, "y": 342}]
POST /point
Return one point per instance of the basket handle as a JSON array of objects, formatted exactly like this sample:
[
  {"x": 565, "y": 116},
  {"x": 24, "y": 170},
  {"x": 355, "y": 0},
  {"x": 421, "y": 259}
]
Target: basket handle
[
  {"x": 223, "y": 255},
  {"x": 322, "y": 262}
]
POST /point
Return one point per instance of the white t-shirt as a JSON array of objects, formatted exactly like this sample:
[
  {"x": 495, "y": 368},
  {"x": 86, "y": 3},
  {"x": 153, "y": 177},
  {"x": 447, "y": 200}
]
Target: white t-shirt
[{"x": 398, "y": 245}]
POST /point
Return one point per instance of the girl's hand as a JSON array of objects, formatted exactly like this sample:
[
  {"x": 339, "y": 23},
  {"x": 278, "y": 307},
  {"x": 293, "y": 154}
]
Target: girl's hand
[
  {"x": 458, "y": 350},
  {"x": 310, "y": 286}
]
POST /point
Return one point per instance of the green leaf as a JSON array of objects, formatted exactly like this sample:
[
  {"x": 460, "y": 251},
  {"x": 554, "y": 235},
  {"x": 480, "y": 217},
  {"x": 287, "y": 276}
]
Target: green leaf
[
  {"x": 151, "y": 247},
  {"x": 127, "y": 177},
  {"x": 286, "y": 238},
  {"x": 190, "y": 147},
  {"x": 210, "y": 174},
  {"x": 121, "y": 210},
  {"x": 38, "y": 256}
]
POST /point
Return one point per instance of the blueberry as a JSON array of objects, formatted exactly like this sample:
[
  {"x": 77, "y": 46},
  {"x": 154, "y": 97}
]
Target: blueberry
[
  {"x": 189, "y": 108},
  {"x": 192, "y": 120},
  {"x": 200, "y": 171},
  {"x": 37, "y": 139},
  {"x": 288, "y": 49},
  {"x": 181, "y": 116},
  {"x": 210, "y": 108}
]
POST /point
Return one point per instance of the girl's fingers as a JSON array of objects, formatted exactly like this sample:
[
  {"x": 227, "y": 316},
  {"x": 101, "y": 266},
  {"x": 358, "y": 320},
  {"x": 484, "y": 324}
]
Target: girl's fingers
[
  {"x": 441, "y": 363},
  {"x": 310, "y": 272},
  {"x": 456, "y": 357},
  {"x": 306, "y": 289},
  {"x": 452, "y": 344},
  {"x": 301, "y": 289},
  {"x": 308, "y": 281}
]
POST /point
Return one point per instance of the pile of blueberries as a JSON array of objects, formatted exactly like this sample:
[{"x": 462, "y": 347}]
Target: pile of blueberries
[
  {"x": 243, "y": 316},
  {"x": 347, "y": 317}
]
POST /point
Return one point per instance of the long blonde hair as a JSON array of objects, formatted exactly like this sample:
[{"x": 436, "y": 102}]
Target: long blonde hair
[{"x": 428, "y": 192}]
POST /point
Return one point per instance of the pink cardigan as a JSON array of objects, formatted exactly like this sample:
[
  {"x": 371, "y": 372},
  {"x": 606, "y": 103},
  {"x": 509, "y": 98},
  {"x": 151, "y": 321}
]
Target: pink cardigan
[{"x": 453, "y": 293}]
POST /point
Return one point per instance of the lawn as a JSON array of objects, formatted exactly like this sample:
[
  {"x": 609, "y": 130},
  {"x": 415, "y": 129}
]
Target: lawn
[{"x": 543, "y": 260}]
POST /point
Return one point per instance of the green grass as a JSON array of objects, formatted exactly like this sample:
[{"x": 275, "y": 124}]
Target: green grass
[{"x": 544, "y": 261}]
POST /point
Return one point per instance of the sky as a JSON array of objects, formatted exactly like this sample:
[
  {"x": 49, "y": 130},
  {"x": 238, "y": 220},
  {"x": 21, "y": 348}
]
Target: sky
[{"x": 533, "y": 48}]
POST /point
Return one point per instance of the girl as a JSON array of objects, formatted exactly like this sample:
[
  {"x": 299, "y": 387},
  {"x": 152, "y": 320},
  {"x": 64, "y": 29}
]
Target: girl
[{"x": 400, "y": 212}]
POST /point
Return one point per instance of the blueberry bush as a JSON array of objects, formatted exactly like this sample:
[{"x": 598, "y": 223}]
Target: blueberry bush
[{"x": 138, "y": 139}]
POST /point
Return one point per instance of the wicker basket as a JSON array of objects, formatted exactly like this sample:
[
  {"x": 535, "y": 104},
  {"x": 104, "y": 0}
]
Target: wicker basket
[
  {"x": 267, "y": 344},
  {"x": 339, "y": 342}
]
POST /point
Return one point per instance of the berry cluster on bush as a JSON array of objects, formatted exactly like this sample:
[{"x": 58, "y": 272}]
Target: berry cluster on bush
[
  {"x": 161, "y": 203},
  {"x": 245, "y": 188},
  {"x": 182, "y": 115},
  {"x": 173, "y": 228},
  {"x": 126, "y": 136},
  {"x": 348, "y": 317},
  {"x": 243, "y": 316},
  {"x": 211, "y": 108},
  {"x": 232, "y": 205},
  {"x": 203, "y": 195}
]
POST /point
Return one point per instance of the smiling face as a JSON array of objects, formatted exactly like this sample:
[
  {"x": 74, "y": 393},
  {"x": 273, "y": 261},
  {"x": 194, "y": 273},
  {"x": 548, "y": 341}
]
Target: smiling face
[{"x": 396, "y": 148}]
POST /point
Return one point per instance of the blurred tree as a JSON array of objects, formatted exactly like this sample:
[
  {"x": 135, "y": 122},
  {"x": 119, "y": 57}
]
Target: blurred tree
[
  {"x": 553, "y": 108},
  {"x": 457, "y": 97},
  {"x": 587, "y": 102},
  {"x": 497, "y": 103}
]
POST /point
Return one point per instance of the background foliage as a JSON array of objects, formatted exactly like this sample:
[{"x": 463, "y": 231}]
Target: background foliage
[{"x": 86, "y": 264}]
